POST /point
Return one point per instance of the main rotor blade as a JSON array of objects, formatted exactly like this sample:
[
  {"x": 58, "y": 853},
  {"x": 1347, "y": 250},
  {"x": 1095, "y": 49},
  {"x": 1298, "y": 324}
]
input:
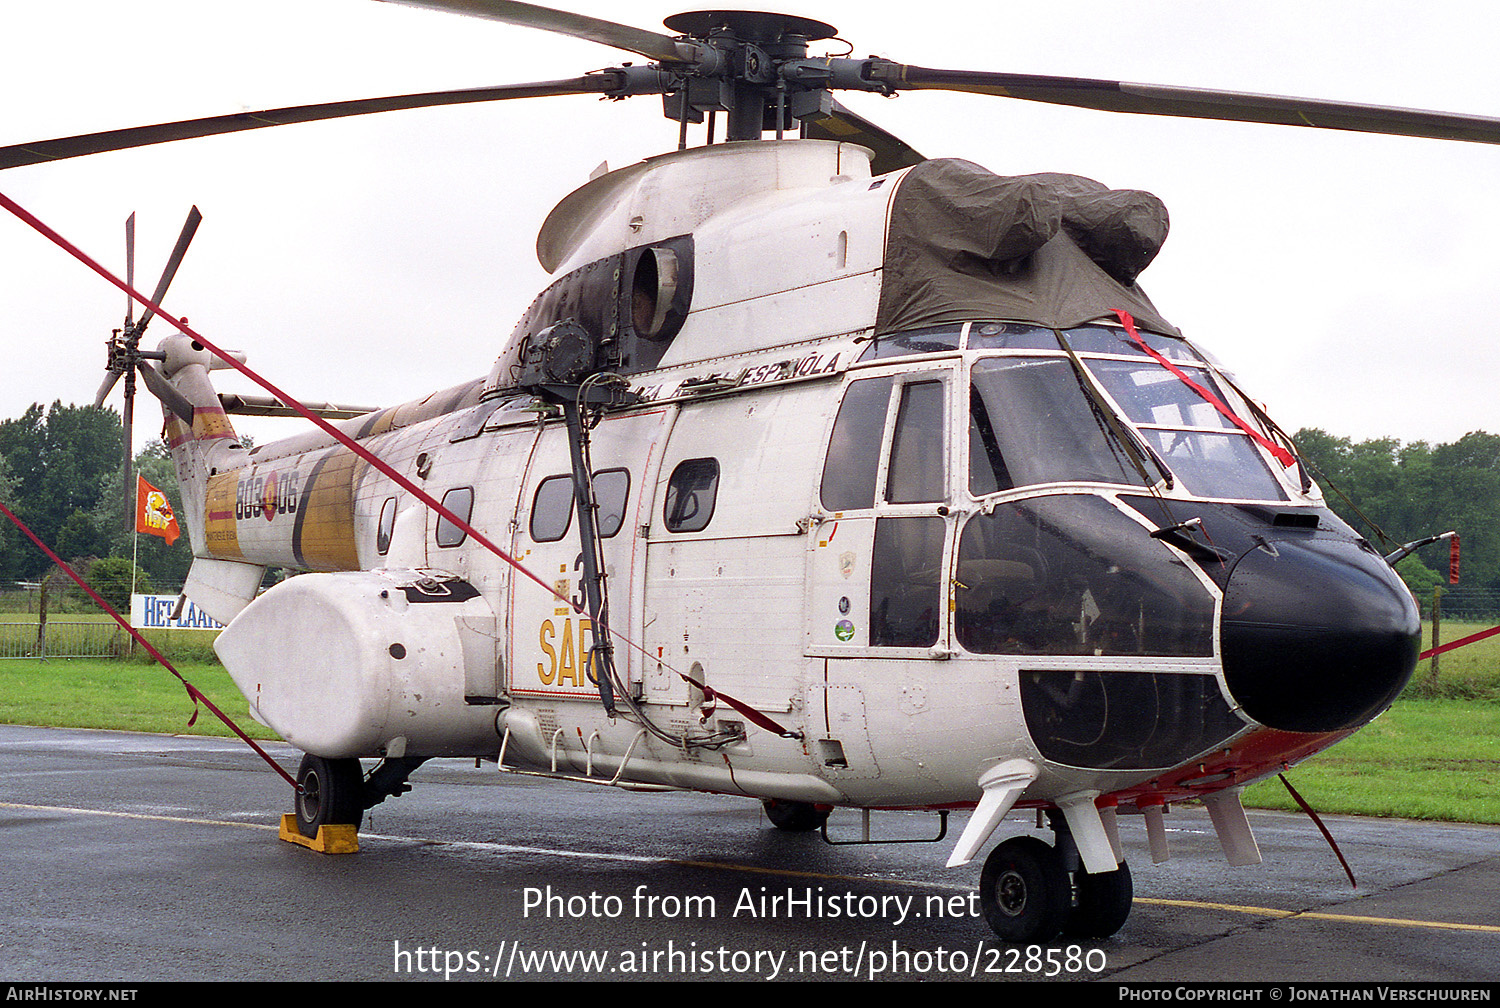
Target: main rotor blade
[
  {"x": 129, "y": 268},
  {"x": 636, "y": 40},
  {"x": 891, "y": 153},
  {"x": 18, "y": 155},
  {"x": 189, "y": 228},
  {"x": 1199, "y": 103}
]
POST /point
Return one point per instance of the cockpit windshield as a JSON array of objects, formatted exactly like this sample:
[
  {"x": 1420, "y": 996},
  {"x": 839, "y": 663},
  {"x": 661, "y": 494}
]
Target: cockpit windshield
[
  {"x": 1031, "y": 422},
  {"x": 1036, "y": 417}
]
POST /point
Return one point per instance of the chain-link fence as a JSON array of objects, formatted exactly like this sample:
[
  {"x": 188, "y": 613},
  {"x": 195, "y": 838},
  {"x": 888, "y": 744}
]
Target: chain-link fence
[
  {"x": 1459, "y": 604},
  {"x": 63, "y": 639}
]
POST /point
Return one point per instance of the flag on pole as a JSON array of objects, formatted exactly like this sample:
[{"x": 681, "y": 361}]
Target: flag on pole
[{"x": 153, "y": 512}]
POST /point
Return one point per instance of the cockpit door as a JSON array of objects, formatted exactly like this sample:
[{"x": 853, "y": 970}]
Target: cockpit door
[{"x": 878, "y": 551}]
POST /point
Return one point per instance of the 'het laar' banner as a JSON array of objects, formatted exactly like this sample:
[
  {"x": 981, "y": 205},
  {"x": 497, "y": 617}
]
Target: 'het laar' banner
[{"x": 154, "y": 612}]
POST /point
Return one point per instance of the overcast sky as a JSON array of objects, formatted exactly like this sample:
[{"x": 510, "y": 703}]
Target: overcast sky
[{"x": 1351, "y": 281}]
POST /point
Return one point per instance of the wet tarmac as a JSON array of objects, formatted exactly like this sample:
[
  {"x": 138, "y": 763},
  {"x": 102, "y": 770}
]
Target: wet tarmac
[{"x": 134, "y": 858}]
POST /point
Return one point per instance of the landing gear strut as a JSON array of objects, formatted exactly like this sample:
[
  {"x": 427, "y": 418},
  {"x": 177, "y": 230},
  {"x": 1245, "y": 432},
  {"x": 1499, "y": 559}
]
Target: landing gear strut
[{"x": 336, "y": 791}]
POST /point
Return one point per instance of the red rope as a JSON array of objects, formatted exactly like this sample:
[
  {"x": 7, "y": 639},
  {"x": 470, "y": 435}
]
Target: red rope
[
  {"x": 1321, "y": 828},
  {"x": 1281, "y": 454},
  {"x": 1481, "y": 635},
  {"x": 192, "y": 690}
]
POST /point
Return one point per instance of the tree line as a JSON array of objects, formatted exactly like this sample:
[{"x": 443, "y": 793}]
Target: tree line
[
  {"x": 1395, "y": 493},
  {"x": 60, "y": 472}
]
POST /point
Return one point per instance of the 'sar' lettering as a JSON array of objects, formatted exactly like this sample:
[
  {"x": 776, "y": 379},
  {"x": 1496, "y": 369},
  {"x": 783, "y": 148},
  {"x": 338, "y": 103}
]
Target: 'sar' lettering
[{"x": 568, "y": 660}]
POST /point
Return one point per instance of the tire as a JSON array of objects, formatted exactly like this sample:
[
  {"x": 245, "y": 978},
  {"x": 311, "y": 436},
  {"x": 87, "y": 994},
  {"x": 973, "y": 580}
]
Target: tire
[
  {"x": 1104, "y": 902},
  {"x": 330, "y": 791},
  {"x": 1024, "y": 892},
  {"x": 796, "y": 816}
]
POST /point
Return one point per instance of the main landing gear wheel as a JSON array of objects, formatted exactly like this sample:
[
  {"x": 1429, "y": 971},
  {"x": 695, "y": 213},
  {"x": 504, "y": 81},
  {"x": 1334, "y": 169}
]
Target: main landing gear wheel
[
  {"x": 1103, "y": 903},
  {"x": 330, "y": 791},
  {"x": 1024, "y": 891},
  {"x": 796, "y": 816}
]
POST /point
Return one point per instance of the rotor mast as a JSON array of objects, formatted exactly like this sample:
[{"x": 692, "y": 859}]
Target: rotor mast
[{"x": 741, "y": 70}]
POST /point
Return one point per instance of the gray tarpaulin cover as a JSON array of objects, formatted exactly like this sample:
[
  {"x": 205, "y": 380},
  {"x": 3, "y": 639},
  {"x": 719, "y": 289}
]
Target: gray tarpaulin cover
[{"x": 1057, "y": 250}]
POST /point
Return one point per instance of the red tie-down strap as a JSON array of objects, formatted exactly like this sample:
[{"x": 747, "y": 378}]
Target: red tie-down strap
[
  {"x": 1473, "y": 638},
  {"x": 1281, "y": 454}
]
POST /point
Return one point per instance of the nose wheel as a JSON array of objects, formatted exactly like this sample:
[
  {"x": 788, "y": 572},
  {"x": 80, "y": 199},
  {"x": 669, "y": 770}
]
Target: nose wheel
[
  {"x": 1029, "y": 894},
  {"x": 1024, "y": 891}
]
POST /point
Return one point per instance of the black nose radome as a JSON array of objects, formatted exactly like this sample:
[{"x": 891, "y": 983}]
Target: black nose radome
[{"x": 1317, "y": 635}]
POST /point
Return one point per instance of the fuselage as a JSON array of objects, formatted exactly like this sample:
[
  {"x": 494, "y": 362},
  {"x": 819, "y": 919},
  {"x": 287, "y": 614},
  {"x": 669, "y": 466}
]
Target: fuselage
[{"x": 922, "y": 550}]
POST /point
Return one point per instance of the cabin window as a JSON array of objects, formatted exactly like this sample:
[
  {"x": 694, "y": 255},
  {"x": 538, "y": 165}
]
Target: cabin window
[
  {"x": 552, "y": 509},
  {"x": 854, "y": 450},
  {"x": 460, "y": 501},
  {"x": 385, "y": 526},
  {"x": 611, "y": 490},
  {"x": 691, "y": 494}
]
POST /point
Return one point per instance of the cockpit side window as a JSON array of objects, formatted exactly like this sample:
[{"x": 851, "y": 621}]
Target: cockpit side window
[
  {"x": 915, "y": 473},
  {"x": 854, "y": 450}
]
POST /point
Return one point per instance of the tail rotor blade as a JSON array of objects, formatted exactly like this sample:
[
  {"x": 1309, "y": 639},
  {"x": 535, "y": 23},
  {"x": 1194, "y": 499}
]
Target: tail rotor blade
[
  {"x": 163, "y": 390},
  {"x": 189, "y": 228},
  {"x": 110, "y": 377}
]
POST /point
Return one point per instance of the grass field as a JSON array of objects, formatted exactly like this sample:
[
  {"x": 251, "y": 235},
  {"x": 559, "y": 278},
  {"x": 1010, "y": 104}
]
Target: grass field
[
  {"x": 124, "y": 695},
  {"x": 1422, "y": 759},
  {"x": 1471, "y": 672},
  {"x": 1434, "y": 755}
]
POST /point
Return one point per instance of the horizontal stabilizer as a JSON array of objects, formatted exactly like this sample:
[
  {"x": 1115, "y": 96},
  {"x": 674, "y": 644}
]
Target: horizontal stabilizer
[{"x": 254, "y": 405}]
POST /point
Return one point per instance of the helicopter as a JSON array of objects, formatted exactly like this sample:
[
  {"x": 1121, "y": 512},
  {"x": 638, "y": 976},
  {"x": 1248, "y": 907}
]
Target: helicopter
[{"x": 822, "y": 473}]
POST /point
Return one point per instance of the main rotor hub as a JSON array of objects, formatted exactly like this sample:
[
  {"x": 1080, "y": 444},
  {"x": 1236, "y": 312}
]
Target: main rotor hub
[
  {"x": 760, "y": 27},
  {"x": 744, "y": 68}
]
